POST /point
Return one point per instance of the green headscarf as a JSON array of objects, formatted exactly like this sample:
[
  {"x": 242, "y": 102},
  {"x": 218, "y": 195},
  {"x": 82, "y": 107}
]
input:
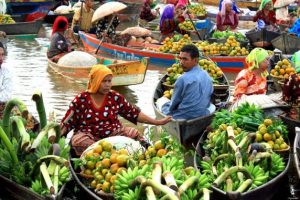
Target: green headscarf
[
  {"x": 263, "y": 4},
  {"x": 296, "y": 61},
  {"x": 255, "y": 57}
]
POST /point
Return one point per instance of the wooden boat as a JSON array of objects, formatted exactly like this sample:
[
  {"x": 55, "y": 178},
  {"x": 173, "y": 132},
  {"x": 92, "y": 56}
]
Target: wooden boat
[
  {"x": 125, "y": 72},
  {"x": 29, "y": 10},
  {"x": 189, "y": 131},
  {"x": 240, "y": 4},
  {"x": 268, "y": 190},
  {"x": 261, "y": 38},
  {"x": 22, "y": 28},
  {"x": 19, "y": 192},
  {"x": 287, "y": 43},
  {"x": 291, "y": 125},
  {"x": 91, "y": 43},
  {"x": 296, "y": 152},
  {"x": 51, "y": 18}
]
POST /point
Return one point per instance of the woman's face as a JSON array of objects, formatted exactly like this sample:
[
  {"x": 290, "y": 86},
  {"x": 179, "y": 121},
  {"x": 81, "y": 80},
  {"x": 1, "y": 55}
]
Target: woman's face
[
  {"x": 178, "y": 11},
  {"x": 105, "y": 85},
  {"x": 228, "y": 7},
  {"x": 268, "y": 6},
  {"x": 264, "y": 64}
]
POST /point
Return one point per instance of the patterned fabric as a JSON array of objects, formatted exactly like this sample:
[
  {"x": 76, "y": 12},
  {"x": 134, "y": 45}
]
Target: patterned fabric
[
  {"x": 168, "y": 26},
  {"x": 84, "y": 116},
  {"x": 58, "y": 45},
  {"x": 281, "y": 9},
  {"x": 255, "y": 57},
  {"x": 167, "y": 15},
  {"x": 224, "y": 14},
  {"x": 192, "y": 95},
  {"x": 291, "y": 90},
  {"x": 296, "y": 28},
  {"x": 102, "y": 25},
  {"x": 6, "y": 84},
  {"x": 86, "y": 19},
  {"x": 247, "y": 83},
  {"x": 266, "y": 18}
]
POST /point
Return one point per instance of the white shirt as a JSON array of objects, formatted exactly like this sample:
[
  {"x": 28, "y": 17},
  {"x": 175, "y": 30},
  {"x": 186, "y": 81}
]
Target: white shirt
[{"x": 6, "y": 84}]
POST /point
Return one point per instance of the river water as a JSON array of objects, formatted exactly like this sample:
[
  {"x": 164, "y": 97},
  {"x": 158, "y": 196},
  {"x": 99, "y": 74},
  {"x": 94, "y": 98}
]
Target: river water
[{"x": 27, "y": 59}]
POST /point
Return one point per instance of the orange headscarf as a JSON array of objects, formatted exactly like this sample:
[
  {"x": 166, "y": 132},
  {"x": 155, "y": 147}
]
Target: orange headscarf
[{"x": 97, "y": 74}]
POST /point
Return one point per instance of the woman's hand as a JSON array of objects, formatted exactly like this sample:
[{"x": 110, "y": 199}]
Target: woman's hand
[{"x": 164, "y": 120}]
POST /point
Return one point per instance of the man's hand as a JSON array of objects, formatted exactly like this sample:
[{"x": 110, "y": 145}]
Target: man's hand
[{"x": 163, "y": 121}]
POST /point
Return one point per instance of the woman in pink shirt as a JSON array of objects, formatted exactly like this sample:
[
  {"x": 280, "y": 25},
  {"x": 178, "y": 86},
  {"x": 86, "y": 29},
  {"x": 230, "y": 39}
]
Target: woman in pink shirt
[{"x": 227, "y": 19}]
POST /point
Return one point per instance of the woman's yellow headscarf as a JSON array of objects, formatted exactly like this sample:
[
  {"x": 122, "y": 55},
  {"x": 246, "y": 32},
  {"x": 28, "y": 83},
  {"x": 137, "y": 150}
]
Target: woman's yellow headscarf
[
  {"x": 255, "y": 57},
  {"x": 97, "y": 74}
]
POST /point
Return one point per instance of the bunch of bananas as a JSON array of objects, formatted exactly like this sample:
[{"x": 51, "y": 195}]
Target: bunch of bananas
[{"x": 6, "y": 19}]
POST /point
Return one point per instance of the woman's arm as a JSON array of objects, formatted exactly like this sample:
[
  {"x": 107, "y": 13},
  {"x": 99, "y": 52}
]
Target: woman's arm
[
  {"x": 219, "y": 24},
  {"x": 236, "y": 22},
  {"x": 257, "y": 16},
  {"x": 143, "y": 118}
]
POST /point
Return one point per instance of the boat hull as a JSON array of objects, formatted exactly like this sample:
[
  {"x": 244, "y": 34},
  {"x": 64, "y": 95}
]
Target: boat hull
[
  {"x": 19, "y": 192},
  {"x": 296, "y": 152},
  {"x": 189, "y": 131},
  {"x": 268, "y": 189},
  {"x": 261, "y": 38},
  {"x": 286, "y": 43},
  {"x": 22, "y": 28},
  {"x": 125, "y": 72},
  {"x": 91, "y": 43},
  {"x": 51, "y": 18}
]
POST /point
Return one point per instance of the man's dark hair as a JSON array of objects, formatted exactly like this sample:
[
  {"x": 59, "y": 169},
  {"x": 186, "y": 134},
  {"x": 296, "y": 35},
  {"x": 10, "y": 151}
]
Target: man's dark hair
[
  {"x": 1, "y": 45},
  {"x": 191, "y": 49}
]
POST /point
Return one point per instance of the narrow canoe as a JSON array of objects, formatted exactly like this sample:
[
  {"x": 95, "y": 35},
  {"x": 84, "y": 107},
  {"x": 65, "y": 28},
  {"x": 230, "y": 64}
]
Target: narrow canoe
[
  {"x": 287, "y": 43},
  {"x": 261, "y": 38},
  {"x": 268, "y": 189},
  {"x": 189, "y": 131},
  {"x": 125, "y": 72},
  {"x": 296, "y": 152},
  {"x": 91, "y": 43},
  {"x": 51, "y": 18},
  {"x": 22, "y": 28},
  {"x": 240, "y": 4}
]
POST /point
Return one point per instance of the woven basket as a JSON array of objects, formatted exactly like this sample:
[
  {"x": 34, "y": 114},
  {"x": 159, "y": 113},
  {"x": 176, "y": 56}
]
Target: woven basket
[{"x": 278, "y": 82}]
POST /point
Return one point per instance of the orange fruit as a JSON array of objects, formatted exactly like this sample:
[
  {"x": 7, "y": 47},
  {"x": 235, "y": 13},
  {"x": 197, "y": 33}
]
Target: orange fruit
[
  {"x": 98, "y": 149},
  {"x": 113, "y": 158},
  {"x": 268, "y": 122},
  {"x": 90, "y": 165},
  {"x": 106, "y": 163},
  {"x": 282, "y": 71},
  {"x": 106, "y": 186},
  {"x": 123, "y": 151},
  {"x": 158, "y": 145},
  {"x": 122, "y": 160},
  {"x": 161, "y": 152},
  {"x": 114, "y": 168},
  {"x": 108, "y": 176},
  {"x": 267, "y": 137},
  {"x": 106, "y": 146},
  {"x": 121, "y": 169},
  {"x": 113, "y": 178}
]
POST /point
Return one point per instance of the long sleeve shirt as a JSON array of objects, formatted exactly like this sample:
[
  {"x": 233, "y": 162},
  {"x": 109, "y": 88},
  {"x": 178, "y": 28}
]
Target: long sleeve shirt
[
  {"x": 234, "y": 7},
  {"x": 268, "y": 19},
  {"x": 192, "y": 95},
  {"x": 6, "y": 84}
]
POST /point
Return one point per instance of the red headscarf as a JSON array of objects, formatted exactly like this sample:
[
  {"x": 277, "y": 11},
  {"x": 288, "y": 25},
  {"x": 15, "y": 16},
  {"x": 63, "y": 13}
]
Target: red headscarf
[{"x": 60, "y": 24}]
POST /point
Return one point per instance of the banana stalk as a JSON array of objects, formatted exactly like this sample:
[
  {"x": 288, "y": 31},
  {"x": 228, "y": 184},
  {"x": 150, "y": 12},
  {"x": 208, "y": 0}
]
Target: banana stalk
[
  {"x": 232, "y": 145},
  {"x": 54, "y": 134},
  {"x": 149, "y": 193},
  {"x": 244, "y": 185},
  {"x": 230, "y": 171},
  {"x": 38, "y": 98},
  {"x": 139, "y": 180},
  {"x": 203, "y": 192},
  {"x": 156, "y": 174},
  {"x": 46, "y": 176},
  {"x": 8, "y": 108},
  {"x": 186, "y": 184},
  {"x": 9, "y": 146},
  {"x": 162, "y": 188},
  {"x": 229, "y": 185},
  {"x": 18, "y": 125},
  {"x": 170, "y": 181},
  {"x": 56, "y": 180},
  {"x": 42, "y": 134},
  {"x": 230, "y": 133}
]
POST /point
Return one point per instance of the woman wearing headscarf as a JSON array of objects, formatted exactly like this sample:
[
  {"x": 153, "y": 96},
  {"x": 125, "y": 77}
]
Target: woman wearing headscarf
[
  {"x": 59, "y": 45},
  {"x": 147, "y": 13},
  {"x": 265, "y": 13},
  {"x": 234, "y": 7},
  {"x": 253, "y": 79},
  {"x": 183, "y": 3},
  {"x": 93, "y": 114},
  {"x": 169, "y": 21},
  {"x": 227, "y": 18}
]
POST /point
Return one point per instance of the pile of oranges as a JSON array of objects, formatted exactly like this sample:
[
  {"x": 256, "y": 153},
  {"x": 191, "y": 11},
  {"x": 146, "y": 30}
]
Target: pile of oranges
[{"x": 283, "y": 69}]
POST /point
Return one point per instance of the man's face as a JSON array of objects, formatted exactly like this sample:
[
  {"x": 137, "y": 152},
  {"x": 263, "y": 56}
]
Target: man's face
[
  {"x": 1, "y": 56},
  {"x": 186, "y": 61},
  {"x": 89, "y": 3}
]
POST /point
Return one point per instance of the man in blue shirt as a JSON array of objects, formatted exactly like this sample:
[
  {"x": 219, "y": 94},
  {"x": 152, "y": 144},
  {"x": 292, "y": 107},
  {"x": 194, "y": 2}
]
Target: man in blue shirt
[{"x": 193, "y": 89}]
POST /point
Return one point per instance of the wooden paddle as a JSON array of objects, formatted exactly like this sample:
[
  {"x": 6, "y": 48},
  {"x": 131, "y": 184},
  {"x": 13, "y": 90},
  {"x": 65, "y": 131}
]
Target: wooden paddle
[
  {"x": 110, "y": 23},
  {"x": 187, "y": 12}
]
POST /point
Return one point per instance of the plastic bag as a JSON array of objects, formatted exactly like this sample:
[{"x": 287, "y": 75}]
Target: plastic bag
[{"x": 77, "y": 58}]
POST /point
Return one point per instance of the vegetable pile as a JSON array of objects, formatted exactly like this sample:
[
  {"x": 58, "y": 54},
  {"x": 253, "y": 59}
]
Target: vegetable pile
[
  {"x": 35, "y": 160},
  {"x": 237, "y": 159}
]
